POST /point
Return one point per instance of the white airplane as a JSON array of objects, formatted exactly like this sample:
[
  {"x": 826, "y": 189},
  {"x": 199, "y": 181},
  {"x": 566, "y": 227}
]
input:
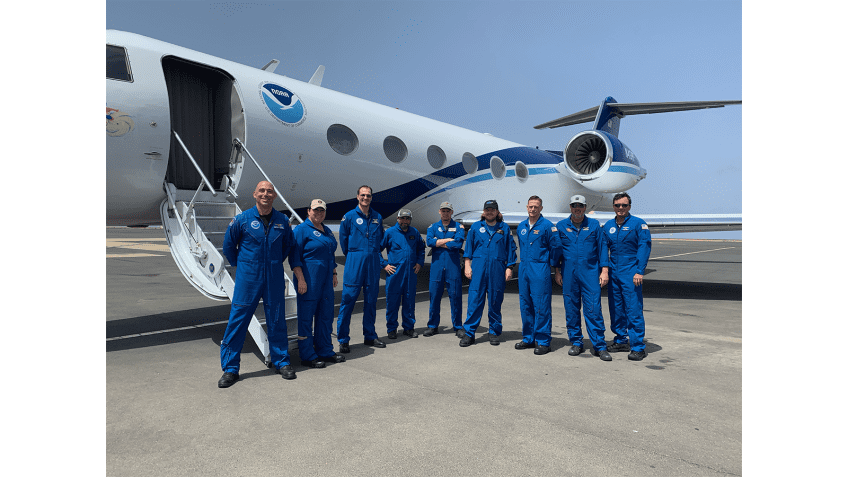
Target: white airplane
[{"x": 188, "y": 136}]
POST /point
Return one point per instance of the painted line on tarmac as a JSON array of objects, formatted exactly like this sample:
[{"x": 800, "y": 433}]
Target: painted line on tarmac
[
  {"x": 132, "y": 255},
  {"x": 184, "y": 328},
  {"x": 158, "y": 332},
  {"x": 690, "y": 253}
]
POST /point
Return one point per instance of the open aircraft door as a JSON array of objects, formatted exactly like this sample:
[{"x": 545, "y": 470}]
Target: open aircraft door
[{"x": 206, "y": 160}]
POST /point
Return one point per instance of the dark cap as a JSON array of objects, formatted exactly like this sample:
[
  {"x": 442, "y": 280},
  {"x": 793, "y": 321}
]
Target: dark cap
[{"x": 491, "y": 204}]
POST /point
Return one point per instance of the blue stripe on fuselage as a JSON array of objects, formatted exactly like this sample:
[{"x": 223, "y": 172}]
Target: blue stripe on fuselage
[{"x": 393, "y": 199}]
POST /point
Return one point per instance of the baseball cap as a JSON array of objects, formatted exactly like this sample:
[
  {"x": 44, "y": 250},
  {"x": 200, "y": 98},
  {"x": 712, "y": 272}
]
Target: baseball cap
[
  {"x": 578, "y": 199},
  {"x": 491, "y": 204},
  {"x": 318, "y": 204},
  {"x": 446, "y": 205},
  {"x": 404, "y": 213}
]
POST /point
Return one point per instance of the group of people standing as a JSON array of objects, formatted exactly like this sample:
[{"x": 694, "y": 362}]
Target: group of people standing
[{"x": 583, "y": 255}]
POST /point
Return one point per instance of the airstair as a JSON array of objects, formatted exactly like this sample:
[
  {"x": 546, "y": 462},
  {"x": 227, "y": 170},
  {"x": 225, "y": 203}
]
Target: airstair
[{"x": 195, "y": 223}]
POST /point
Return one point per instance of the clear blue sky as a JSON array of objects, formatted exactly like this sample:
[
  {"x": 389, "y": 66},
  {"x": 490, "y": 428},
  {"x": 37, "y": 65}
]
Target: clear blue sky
[{"x": 503, "y": 67}]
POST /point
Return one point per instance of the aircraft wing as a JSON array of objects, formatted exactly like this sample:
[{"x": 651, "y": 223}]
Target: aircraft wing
[{"x": 658, "y": 223}]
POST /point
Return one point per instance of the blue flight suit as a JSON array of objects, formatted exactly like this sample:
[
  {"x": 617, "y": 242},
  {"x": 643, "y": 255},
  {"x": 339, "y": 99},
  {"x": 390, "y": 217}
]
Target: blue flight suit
[
  {"x": 538, "y": 247},
  {"x": 580, "y": 259},
  {"x": 315, "y": 253},
  {"x": 490, "y": 254},
  {"x": 258, "y": 252},
  {"x": 629, "y": 248},
  {"x": 405, "y": 250},
  {"x": 446, "y": 268},
  {"x": 360, "y": 237}
]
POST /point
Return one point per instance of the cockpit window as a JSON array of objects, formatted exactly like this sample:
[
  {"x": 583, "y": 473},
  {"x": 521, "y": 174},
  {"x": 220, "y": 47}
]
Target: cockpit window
[{"x": 117, "y": 63}]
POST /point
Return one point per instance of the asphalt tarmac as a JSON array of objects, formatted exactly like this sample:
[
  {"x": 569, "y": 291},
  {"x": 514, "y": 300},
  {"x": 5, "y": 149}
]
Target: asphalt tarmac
[{"x": 425, "y": 406}]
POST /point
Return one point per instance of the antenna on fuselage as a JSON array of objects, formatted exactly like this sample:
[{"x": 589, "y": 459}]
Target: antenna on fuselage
[
  {"x": 271, "y": 66},
  {"x": 318, "y": 76}
]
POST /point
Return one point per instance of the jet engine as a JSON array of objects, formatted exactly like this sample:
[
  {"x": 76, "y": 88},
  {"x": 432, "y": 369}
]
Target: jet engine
[{"x": 601, "y": 163}]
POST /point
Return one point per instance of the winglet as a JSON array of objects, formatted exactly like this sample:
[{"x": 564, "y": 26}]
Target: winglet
[
  {"x": 271, "y": 66},
  {"x": 318, "y": 76}
]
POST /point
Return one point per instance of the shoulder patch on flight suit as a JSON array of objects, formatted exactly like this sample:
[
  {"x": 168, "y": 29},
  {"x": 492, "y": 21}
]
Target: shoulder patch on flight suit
[
  {"x": 644, "y": 226},
  {"x": 232, "y": 221},
  {"x": 344, "y": 218}
]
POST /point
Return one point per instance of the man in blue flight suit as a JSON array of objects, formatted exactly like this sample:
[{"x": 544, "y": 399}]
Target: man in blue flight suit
[
  {"x": 489, "y": 256},
  {"x": 578, "y": 269},
  {"x": 537, "y": 242},
  {"x": 360, "y": 236},
  {"x": 627, "y": 240},
  {"x": 445, "y": 238},
  {"x": 405, "y": 250},
  {"x": 257, "y": 242}
]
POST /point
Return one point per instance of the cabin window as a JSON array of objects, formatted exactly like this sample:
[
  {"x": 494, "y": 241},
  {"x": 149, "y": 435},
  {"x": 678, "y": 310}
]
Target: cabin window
[
  {"x": 521, "y": 172},
  {"x": 469, "y": 163},
  {"x": 342, "y": 139},
  {"x": 117, "y": 64},
  {"x": 395, "y": 149},
  {"x": 436, "y": 157},
  {"x": 498, "y": 167}
]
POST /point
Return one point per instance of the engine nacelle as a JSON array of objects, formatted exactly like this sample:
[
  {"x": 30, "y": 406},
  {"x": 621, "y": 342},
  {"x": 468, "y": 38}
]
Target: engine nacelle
[{"x": 602, "y": 163}]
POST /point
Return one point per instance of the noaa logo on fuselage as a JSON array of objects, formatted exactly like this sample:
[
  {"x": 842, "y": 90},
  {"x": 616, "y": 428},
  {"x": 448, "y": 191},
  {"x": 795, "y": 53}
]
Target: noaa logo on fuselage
[{"x": 282, "y": 104}]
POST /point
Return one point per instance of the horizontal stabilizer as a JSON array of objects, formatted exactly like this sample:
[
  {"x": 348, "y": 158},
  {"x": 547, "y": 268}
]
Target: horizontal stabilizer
[
  {"x": 658, "y": 223},
  {"x": 627, "y": 109}
]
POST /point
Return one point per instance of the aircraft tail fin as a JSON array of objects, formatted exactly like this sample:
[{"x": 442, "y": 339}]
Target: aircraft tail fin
[{"x": 608, "y": 115}]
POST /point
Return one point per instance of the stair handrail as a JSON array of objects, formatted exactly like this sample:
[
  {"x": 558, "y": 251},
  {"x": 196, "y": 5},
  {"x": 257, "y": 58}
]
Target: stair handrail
[
  {"x": 237, "y": 142},
  {"x": 199, "y": 171}
]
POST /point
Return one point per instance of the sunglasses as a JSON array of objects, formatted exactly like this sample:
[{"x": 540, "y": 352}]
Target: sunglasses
[
  {"x": 621, "y": 206},
  {"x": 578, "y": 206}
]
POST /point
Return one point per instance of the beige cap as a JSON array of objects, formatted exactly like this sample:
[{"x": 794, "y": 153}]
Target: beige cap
[
  {"x": 446, "y": 205},
  {"x": 318, "y": 204}
]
